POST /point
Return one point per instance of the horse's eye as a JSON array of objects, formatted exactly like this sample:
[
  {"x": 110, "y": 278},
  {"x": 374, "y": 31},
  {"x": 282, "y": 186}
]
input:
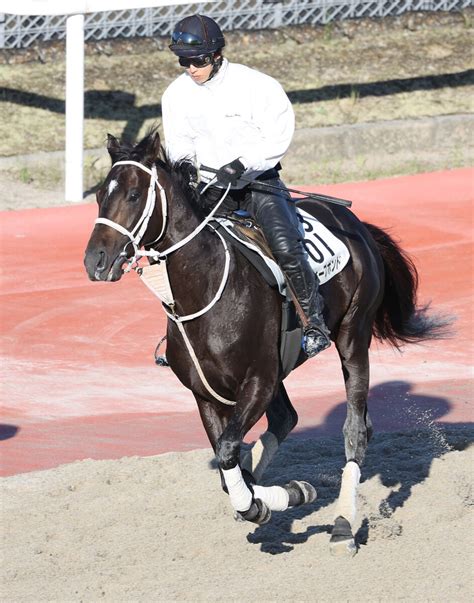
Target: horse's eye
[{"x": 134, "y": 196}]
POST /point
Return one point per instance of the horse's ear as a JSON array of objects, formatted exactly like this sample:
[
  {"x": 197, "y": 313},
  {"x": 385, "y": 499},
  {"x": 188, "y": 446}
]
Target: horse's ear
[
  {"x": 113, "y": 147},
  {"x": 153, "y": 148}
]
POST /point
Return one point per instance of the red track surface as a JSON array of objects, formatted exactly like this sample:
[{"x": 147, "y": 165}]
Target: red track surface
[{"x": 78, "y": 374}]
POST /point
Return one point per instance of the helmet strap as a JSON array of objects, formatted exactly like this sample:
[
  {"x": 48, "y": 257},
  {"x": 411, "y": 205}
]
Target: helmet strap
[{"x": 216, "y": 65}]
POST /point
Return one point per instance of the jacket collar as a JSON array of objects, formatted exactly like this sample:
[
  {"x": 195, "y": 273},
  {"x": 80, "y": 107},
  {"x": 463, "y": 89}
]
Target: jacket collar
[{"x": 219, "y": 77}]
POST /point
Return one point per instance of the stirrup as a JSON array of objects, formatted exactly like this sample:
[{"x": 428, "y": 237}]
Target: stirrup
[{"x": 315, "y": 340}]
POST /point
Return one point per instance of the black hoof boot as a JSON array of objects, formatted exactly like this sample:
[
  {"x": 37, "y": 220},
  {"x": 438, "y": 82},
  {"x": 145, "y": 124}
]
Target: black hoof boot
[
  {"x": 300, "y": 493},
  {"x": 342, "y": 542},
  {"x": 258, "y": 513}
]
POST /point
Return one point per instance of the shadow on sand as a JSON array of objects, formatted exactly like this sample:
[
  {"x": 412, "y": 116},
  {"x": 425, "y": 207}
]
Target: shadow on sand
[{"x": 408, "y": 435}]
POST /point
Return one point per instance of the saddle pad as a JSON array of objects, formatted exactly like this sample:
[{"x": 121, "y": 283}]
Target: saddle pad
[{"x": 326, "y": 253}]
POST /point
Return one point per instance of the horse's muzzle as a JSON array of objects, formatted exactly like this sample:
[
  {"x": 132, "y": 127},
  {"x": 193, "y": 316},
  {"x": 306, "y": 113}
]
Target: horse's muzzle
[{"x": 100, "y": 267}]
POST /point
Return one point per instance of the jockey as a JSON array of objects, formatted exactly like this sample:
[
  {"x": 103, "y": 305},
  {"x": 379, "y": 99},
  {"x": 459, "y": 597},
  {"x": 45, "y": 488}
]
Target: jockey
[{"x": 224, "y": 114}]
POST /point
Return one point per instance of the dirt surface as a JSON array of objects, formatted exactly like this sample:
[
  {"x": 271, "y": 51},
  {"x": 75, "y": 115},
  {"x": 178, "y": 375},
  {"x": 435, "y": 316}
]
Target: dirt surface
[
  {"x": 347, "y": 73},
  {"x": 160, "y": 529}
]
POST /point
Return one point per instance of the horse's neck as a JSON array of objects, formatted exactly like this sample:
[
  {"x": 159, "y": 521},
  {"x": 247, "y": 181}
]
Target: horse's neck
[
  {"x": 181, "y": 222},
  {"x": 195, "y": 269}
]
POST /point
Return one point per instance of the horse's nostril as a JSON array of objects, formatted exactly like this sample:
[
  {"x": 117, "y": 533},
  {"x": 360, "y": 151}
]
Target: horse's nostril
[{"x": 101, "y": 260}]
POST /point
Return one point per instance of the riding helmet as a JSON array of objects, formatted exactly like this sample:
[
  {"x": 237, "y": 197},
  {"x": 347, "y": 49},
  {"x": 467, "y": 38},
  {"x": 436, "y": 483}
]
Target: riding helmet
[{"x": 196, "y": 35}]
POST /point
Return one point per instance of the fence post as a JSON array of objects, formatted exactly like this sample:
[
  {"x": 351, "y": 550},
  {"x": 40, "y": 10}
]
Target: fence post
[
  {"x": 277, "y": 20},
  {"x": 2, "y": 30},
  {"x": 74, "y": 107}
]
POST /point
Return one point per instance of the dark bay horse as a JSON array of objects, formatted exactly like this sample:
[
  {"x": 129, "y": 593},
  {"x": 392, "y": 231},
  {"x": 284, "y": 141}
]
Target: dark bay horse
[{"x": 224, "y": 313}]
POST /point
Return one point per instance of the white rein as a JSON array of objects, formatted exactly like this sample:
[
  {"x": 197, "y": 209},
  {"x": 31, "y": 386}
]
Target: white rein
[{"x": 136, "y": 235}]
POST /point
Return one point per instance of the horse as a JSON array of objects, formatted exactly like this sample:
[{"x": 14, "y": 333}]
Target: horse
[{"x": 224, "y": 321}]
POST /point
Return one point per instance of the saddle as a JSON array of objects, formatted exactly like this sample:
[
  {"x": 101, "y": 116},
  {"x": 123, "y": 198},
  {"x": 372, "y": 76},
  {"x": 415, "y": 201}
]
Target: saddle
[{"x": 246, "y": 236}]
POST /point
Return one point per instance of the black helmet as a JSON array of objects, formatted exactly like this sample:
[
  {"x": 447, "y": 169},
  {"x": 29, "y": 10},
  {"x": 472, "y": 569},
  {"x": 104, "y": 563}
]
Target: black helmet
[{"x": 196, "y": 35}]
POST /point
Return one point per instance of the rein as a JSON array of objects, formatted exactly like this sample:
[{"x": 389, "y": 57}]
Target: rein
[{"x": 158, "y": 282}]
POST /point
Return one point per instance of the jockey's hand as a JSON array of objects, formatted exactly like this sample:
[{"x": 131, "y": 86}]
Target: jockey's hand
[{"x": 230, "y": 173}]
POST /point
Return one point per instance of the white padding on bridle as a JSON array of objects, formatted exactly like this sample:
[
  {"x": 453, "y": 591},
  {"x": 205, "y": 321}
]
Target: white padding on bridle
[
  {"x": 347, "y": 502},
  {"x": 258, "y": 459},
  {"x": 239, "y": 493},
  {"x": 155, "y": 277},
  {"x": 275, "y": 497}
]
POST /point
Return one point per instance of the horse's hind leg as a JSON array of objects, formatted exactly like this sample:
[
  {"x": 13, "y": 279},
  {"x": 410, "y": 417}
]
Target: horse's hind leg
[
  {"x": 282, "y": 418},
  {"x": 353, "y": 352}
]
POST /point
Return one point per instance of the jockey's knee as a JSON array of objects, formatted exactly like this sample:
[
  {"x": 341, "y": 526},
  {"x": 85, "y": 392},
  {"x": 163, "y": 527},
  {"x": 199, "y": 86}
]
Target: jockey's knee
[{"x": 289, "y": 254}]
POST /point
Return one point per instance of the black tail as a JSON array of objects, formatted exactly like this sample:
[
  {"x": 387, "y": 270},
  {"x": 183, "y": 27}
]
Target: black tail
[{"x": 399, "y": 320}]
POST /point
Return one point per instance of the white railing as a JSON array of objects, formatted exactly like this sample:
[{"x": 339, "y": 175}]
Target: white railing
[{"x": 24, "y": 28}]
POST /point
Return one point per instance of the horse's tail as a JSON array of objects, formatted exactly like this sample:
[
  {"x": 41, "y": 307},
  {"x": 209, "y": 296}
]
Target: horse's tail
[{"x": 399, "y": 319}]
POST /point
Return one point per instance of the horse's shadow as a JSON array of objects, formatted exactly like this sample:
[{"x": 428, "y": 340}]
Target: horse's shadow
[
  {"x": 413, "y": 421},
  {"x": 8, "y": 431}
]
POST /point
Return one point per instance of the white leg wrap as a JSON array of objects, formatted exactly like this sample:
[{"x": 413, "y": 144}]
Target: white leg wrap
[
  {"x": 275, "y": 497},
  {"x": 346, "y": 503},
  {"x": 240, "y": 495},
  {"x": 258, "y": 459}
]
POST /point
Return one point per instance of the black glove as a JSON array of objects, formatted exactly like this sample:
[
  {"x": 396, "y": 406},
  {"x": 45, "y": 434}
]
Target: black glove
[{"x": 230, "y": 173}]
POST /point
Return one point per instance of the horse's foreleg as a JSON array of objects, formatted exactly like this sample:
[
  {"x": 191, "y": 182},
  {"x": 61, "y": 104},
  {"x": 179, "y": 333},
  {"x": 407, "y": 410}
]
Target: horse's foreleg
[
  {"x": 238, "y": 485},
  {"x": 282, "y": 418},
  {"x": 252, "y": 502},
  {"x": 357, "y": 431}
]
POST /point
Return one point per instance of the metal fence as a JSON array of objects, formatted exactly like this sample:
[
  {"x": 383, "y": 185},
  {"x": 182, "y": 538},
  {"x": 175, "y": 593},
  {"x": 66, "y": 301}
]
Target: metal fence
[{"x": 22, "y": 31}]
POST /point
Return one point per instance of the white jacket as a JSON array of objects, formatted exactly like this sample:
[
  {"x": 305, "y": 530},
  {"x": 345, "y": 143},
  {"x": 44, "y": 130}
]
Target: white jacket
[{"x": 240, "y": 112}]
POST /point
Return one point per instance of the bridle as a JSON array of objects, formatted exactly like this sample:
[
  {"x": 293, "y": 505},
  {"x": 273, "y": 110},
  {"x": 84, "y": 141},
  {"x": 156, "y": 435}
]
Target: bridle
[{"x": 137, "y": 233}]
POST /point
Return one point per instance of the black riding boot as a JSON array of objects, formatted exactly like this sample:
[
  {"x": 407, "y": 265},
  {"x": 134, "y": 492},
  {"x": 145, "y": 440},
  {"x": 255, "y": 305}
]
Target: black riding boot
[
  {"x": 277, "y": 218},
  {"x": 306, "y": 288}
]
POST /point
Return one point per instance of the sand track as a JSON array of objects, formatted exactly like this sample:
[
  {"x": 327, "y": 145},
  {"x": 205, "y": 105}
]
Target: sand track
[{"x": 159, "y": 529}]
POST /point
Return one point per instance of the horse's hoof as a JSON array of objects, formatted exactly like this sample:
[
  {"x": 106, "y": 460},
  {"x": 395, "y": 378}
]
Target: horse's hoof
[
  {"x": 258, "y": 513},
  {"x": 343, "y": 548},
  {"x": 300, "y": 493},
  {"x": 342, "y": 542}
]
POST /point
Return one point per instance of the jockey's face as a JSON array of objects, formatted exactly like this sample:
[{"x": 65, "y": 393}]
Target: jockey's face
[
  {"x": 199, "y": 68},
  {"x": 200, "y": 75}
]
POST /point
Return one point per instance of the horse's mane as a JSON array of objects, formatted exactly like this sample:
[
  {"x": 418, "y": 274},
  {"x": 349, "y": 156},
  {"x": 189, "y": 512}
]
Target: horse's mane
[{"x": 182, "y": 173}]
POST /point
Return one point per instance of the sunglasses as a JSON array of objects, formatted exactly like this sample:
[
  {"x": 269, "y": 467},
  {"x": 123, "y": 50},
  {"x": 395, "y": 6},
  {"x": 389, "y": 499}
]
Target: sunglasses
[
  {"x": 185, "y": 38},
  {"x": 201, "y": 61}
]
